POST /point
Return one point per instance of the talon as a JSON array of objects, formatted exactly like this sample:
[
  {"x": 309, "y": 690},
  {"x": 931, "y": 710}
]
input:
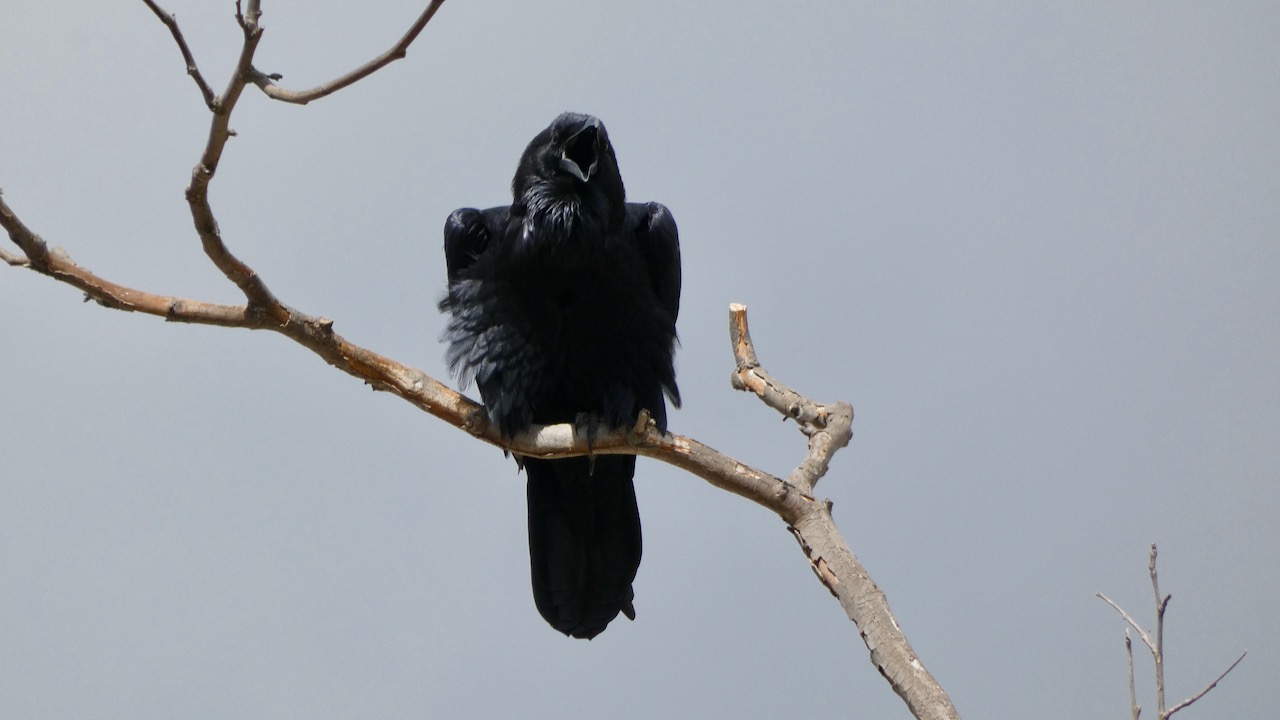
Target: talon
[{"x": 588, "y": 424}]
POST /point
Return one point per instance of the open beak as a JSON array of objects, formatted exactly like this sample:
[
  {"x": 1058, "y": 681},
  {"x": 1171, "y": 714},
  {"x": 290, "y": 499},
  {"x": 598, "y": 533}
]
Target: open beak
[{"x": 581, "y": 151}]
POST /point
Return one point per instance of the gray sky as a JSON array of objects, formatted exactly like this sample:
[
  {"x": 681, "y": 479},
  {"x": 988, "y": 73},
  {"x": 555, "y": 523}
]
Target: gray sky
[{"x": 1035, "y": 245}]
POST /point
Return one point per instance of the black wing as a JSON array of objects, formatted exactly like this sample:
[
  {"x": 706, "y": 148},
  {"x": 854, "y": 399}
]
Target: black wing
[
  {"x": 467, "y": 234},
  {"x": 654, "y": 230}
]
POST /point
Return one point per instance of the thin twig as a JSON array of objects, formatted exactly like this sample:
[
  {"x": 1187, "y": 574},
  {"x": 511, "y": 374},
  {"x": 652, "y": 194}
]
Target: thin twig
[
  {"x": 1161, "y": 604},
  {"x": 13, "y": 260},
  {"x": 266, "y": 82},
  {"x": 171, "y": 21},
  {"x": 1207, "y": 688},
  {"x": 1142, "y": 634},
  {"x": 1156, "y": 646},
  {"x": 1133, "y": 696}
]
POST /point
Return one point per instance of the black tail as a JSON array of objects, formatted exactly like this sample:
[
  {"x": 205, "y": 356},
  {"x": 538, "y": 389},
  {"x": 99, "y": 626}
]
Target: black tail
[{"x": 584, "y": 541}]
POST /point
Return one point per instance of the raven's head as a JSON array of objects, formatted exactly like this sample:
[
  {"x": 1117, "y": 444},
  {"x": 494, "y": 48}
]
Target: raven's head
[{"x": 569, "y": 171}]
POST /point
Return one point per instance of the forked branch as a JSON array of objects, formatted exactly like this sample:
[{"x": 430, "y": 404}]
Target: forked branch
[
  {"x": 267, "y": 83},
  {"x": 171, "y": 22},
  {"x": 828, "y": 427},
  {"x": 1156, "y": 646}
]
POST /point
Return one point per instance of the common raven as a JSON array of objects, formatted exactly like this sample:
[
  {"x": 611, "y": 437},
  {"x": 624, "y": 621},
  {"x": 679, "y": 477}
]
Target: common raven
[{"x": 563, "y": 309}]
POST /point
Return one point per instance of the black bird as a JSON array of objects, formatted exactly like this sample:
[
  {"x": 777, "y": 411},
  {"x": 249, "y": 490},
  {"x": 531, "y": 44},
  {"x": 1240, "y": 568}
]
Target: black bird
[{"x": 563, "y": 309}]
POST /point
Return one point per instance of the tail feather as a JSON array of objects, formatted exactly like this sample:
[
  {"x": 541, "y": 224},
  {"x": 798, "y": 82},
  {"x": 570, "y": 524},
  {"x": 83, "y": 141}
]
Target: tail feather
[{"x": 584, "y": 541}]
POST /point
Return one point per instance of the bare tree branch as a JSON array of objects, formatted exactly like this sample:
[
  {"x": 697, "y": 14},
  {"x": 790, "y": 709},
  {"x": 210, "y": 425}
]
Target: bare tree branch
[
  {"x": 261, "y": 300},
  {"x": 171, "y": 21},
  {"x": 1133, "y": 696},
  {"x": 835, "y": 565},
  {"x": 1142, "y": 634},
  {"x": 1157, "y": 648},
  {"x": 1161, "y": 604},
  {"x": 267, "y": 84},
  {"x": 57, "y": 264},
  {"x": 28, "y": 242},
  {"x": 1207, "y": 688},
  {"x": 828, "y": 428},
  {"x": 13, "y": 260},
  {"x": 10, "y": 258},
  {"x": 249, "y": 20}
]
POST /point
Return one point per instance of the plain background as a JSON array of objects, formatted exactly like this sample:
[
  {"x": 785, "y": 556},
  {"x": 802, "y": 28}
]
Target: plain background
[{"x": 1036, "y": 245}]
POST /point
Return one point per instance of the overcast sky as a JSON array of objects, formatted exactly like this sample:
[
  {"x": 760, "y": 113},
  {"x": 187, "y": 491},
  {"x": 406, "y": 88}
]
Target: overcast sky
[{"x": 1036, "y": 246}]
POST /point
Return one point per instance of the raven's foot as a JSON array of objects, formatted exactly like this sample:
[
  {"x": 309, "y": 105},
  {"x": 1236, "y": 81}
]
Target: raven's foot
[{"x": 587, "y": 424}]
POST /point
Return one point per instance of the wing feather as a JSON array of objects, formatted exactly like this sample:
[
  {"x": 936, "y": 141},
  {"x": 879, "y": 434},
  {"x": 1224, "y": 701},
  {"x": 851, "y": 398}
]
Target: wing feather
[
  {"x": 467, "y": 234},
  {"x": 654, "y": 230}
]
